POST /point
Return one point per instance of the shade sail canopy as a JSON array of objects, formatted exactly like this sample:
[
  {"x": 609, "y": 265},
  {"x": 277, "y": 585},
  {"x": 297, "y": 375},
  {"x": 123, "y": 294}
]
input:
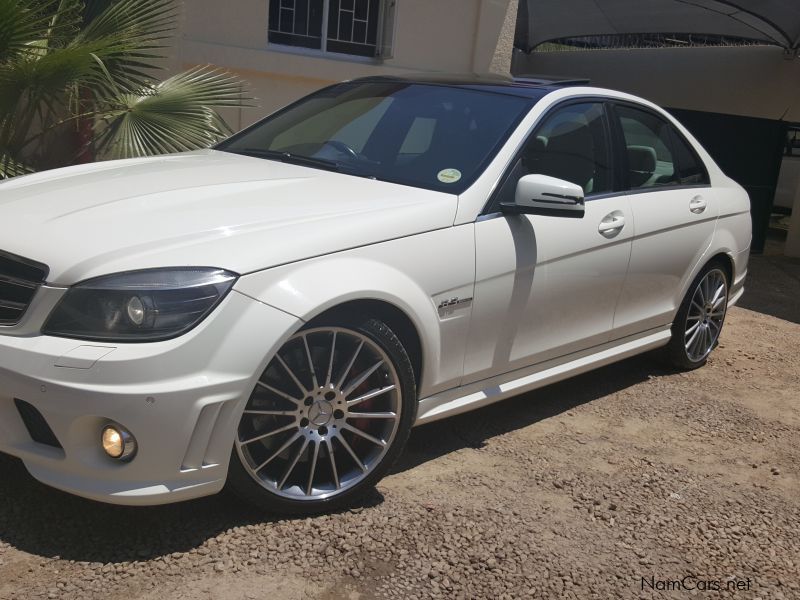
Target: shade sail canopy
[{"x": 769, "y": 21}]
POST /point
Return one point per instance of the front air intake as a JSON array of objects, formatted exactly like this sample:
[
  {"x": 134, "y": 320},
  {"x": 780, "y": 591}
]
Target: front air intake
[{"x": 36, "y": 425}]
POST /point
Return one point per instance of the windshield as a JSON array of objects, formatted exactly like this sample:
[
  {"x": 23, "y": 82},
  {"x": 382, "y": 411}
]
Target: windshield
[{"x": 429, "y": 136}]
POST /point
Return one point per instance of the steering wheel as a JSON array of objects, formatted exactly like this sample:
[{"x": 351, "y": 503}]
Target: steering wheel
[{"x": 343, "y": 148}]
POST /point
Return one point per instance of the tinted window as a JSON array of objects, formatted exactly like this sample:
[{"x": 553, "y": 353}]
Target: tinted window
[
  {"x": 570, "y": 144},
  {"x": 430, "y": 136},
  {"x": 691, "y": 169},
  {"x": 648, "y": 145}
]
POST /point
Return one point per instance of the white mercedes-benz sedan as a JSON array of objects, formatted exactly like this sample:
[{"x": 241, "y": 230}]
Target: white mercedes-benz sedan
[{"x": 277, "y": 313}]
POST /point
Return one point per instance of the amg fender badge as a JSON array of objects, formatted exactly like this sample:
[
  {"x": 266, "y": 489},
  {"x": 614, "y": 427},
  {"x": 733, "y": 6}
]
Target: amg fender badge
[{"x": 454, "y": 302}]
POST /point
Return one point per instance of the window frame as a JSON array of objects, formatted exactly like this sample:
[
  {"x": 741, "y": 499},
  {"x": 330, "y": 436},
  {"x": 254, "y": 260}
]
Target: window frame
[
  {"x": 620, "y": 149},
  {"x": 323, "y": 51},
  {"x": 491, "y": 206}
]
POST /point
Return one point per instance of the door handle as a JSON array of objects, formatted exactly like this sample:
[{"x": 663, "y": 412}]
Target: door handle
[
  {"x": 611, "y": 224},
  {"x": 697, "y": 205}
]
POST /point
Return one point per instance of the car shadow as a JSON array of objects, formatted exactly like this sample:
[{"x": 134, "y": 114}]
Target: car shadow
[
  {"x": 45, "y": 522},
  {"x": 474, "y": 429}
]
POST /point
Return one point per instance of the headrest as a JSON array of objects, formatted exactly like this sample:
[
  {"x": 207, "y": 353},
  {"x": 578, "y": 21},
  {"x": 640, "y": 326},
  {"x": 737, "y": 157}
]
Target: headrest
[
  {"x": 642, "y": 159},
  {"x": 572, "y": 137},
  {"x": 538, "y": 144}
]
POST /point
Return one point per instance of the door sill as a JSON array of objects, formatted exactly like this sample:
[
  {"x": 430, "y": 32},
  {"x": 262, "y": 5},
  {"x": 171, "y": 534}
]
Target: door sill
[{"x": 500, "y": 387}]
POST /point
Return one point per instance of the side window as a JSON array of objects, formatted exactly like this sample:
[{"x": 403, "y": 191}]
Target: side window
[
  {"x": 570, "y": 144},
  {"x": 691, "y": 169},
  {"x": 647, "y": 141}
]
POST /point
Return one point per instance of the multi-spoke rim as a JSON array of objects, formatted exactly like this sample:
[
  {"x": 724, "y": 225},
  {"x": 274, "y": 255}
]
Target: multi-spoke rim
[
  {"x": 322, "y": 415},
  {"x": 705, "y": 316}
]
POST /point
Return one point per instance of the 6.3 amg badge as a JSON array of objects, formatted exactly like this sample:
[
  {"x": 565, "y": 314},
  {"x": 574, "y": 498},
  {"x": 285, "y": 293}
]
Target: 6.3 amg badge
[{"x": 454, "y": 302}]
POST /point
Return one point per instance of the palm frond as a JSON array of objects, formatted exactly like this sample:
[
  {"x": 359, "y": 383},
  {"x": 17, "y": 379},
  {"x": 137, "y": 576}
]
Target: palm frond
[
  {"x": 66, "y": 64},
  {"x": 135, "y": 21},
  {"x": 93, "y": 8},
  {"x": 49, "y": 76},
  {"x": 32, "y": 25},
  {"x": 128, "y": 38},
  {"x": 9, "y": 167},
  {"x": 175, "y": 115}
]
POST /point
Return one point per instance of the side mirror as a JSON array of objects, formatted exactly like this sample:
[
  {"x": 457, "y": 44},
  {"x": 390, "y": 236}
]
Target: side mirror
[{"x": 548, "y": 196}]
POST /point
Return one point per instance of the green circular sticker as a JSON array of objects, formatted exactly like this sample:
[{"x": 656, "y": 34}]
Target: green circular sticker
[{"x": 449, "y": 175}]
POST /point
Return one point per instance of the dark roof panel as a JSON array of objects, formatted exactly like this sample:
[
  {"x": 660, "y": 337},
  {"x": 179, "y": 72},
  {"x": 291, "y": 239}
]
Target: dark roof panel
[{"x": 526, "y": 87}]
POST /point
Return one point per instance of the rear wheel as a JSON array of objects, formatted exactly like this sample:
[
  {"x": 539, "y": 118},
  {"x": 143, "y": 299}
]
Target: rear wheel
[
  {"x": 326, "y": 420},
  {"x": 698, "y": 324}
]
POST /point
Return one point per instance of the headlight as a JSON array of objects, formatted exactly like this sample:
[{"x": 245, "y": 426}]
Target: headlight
[{"x": 139, "y": 306}]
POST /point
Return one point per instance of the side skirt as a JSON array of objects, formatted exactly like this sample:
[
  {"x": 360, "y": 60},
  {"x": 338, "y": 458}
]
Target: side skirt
[{"x": 500, "y": 387}]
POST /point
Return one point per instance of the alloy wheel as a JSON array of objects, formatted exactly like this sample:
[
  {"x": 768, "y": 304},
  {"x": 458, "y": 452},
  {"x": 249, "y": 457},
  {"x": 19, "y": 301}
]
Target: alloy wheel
[
  {"x": 706, "y": 315},
  {"x": 322, "y": 415}
]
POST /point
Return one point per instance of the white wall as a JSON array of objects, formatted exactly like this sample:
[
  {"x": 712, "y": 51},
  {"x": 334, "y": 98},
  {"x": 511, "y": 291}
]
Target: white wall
[{"x": 453, "y": 36}]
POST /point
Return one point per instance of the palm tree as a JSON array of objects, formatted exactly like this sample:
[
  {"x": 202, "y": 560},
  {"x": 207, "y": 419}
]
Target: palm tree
[{"x": 76, "y": 76}]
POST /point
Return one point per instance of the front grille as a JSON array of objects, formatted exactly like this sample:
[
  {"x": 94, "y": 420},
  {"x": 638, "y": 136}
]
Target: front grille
[
  {"x": 37, "y": 427},
  {"x": 19, "y": 280}
]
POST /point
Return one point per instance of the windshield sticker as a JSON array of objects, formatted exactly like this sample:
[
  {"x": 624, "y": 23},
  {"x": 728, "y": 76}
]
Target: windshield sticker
[{"x": 449, "y": 175}]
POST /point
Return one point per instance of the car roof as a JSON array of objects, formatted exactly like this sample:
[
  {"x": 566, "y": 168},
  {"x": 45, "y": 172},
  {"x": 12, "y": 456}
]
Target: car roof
[{"x": 531, "y": 87}]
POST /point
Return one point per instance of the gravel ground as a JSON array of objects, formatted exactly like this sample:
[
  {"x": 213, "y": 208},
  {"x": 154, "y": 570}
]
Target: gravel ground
[{"x": 580, "y": 490}]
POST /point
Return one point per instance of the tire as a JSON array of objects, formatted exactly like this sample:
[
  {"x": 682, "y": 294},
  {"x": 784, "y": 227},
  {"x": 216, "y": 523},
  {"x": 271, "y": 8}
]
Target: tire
[
  {"x": 698, "y": 324},
  {"x": 301, "y": 447}
]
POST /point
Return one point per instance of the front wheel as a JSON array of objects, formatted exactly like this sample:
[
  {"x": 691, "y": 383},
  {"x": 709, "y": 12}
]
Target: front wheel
[
  {"x": 698, "y": 324},
  {"x": 326, "y": 420}
]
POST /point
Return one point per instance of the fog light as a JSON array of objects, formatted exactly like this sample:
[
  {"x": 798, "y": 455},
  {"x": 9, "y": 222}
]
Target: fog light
[{"x": 118, "y": 442}]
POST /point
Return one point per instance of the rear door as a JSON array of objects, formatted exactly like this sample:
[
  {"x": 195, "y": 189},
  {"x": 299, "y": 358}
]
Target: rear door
[{"x": 674, "y": 215}]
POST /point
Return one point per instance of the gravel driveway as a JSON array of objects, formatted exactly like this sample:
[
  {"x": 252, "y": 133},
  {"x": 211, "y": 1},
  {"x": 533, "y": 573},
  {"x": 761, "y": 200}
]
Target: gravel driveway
[{"x": 611, "y": 485}]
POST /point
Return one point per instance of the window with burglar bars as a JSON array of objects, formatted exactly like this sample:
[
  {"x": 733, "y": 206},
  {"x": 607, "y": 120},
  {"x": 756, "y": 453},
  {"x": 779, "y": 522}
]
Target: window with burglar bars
[{"x": 355, "y": 27}]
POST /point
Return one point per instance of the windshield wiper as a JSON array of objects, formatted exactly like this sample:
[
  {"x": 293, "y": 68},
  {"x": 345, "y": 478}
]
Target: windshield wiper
[{"x": 288, "y": 157}]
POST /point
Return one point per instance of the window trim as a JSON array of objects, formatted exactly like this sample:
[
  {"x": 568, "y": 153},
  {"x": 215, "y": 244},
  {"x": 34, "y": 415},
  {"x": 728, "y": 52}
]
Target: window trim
[
  {"x": 622, "y": 154},
  {"x": 490, "y": 207},
  {"x": 327, "y": 55}
]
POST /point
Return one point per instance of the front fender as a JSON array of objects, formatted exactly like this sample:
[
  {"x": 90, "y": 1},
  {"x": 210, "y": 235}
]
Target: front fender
[{"x": 413, "y": 274}]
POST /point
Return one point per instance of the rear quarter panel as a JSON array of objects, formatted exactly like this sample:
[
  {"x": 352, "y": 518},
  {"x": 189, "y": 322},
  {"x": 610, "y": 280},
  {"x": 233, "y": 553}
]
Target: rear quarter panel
[{"x": 734, "y": 230}]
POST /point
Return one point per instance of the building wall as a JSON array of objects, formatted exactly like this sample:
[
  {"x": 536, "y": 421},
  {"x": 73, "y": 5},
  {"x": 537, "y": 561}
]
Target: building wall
[{"x": 454, "y": 36}]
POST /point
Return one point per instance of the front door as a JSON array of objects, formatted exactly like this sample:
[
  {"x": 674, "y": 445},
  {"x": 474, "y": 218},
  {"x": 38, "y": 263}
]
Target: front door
[{"x": 548, "y": 286}]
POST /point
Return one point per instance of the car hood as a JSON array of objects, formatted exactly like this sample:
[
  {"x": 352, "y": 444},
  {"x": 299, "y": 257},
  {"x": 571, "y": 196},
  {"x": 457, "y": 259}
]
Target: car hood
[{"x": 205, "y": 208}]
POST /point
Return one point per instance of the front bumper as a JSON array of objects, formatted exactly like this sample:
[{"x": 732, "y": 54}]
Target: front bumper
[{"x": 180, "y": 398}]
